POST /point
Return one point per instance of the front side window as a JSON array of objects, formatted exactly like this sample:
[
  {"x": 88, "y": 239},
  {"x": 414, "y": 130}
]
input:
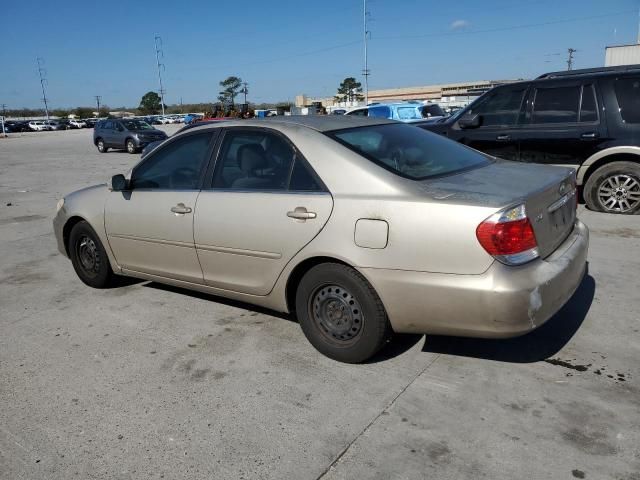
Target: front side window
[
  {"x": 409, "y": 151},
  {"x": 501, "y": 107},
  {"x": 628, "y": 95},
  {"x": 177, "y": 166},
  {"x": 556, "y": 105},
  {"x": 261, "y": 160}
]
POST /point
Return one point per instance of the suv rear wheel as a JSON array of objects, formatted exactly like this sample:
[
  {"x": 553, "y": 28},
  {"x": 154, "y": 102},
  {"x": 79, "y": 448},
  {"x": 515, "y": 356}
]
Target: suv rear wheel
[{"x": 614, "y": 188}]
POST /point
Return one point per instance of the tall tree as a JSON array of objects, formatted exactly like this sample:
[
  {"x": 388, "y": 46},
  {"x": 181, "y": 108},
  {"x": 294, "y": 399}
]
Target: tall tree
[
  {"x": 231, "y": 88},
  {"x": 83, "y": 112},
  {"x": 349, "y": 90},
  {"x": 150, "y": 103}
]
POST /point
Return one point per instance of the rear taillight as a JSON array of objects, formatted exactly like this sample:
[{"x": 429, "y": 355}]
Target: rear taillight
[{"x": 508, "y": 236}]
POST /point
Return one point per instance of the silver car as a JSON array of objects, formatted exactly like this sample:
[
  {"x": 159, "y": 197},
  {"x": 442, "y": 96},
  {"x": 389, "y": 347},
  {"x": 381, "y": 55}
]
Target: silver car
[{"x": 359, "y": 226}]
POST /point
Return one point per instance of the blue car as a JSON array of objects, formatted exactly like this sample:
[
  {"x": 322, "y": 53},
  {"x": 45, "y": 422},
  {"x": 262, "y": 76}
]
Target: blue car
[{"x": 404, "y": 111}]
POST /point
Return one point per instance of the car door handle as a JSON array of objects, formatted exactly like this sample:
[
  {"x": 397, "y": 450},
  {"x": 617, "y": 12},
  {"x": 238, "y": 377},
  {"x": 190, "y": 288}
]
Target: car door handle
[
  {"x": 181, "y": 209},
  {"x": 589, "y": 135},
  {"x": 301, "y": 213},
  {"x": 503, "y": 138}
]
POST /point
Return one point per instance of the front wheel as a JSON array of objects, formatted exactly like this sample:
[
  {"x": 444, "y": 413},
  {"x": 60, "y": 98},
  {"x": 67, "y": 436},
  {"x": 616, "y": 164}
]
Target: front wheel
[
  {"x": 89, "y": 258},
  {"x": 341, "y": 314},
  {"x": 614, "y": 188},
  {"x": 131, "y": 147}
]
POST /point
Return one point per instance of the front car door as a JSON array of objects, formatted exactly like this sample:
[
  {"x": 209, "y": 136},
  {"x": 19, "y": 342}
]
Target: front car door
[
  {"x": 563, "y": 125},
  {"x": 263, "y": 206},
  {"x": 150, "y": 226},
  {"x": 501, "y": 111}
]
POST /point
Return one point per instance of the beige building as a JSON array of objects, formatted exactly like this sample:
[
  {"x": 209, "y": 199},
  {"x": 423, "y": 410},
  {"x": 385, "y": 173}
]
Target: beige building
[{"x": 433, "y": 93}]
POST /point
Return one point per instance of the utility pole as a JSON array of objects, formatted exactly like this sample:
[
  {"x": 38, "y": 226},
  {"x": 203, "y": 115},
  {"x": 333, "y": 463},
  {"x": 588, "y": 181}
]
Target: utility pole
[
  {"x": 98, "y": 97},
  {"x": 570, "y": 59},
  {"x": 245, "y": 91},
  {"x": 365, "y": 72},
  {"x": 181, "y": 105},
  {"x": 43, "y": 80},
  {"x": 160, "y": 54},
  {"x": 3, "y": 118}
]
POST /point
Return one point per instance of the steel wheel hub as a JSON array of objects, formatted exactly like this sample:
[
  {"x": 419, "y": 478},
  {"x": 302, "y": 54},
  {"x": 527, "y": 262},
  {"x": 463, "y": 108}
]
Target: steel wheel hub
[
  {"x": 337, "y": 313},
  {"x": 619, "y": 193},
  {"x": 88, "y": 255}
]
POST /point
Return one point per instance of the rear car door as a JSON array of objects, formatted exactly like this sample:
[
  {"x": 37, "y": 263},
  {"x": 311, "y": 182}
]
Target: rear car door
[
  {"x": 150, "y": 226},
  {"x": 499, "y": 132},
  {"x": 263, "y": 205},
  {"x": 563, "y": 125}
]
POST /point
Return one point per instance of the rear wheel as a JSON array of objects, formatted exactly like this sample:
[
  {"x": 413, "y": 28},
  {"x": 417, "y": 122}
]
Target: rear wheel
[
  {"x": 341, "y": 314},
  {"x": 614, "y": 188},
  {"x": 89, "y": 258},
  {"x": 131, "y": 146},
  {"x": 102, "y": 148}
]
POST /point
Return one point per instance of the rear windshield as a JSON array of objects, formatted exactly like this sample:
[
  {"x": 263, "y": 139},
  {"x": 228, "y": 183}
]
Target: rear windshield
[{"x": 409, "y": 151}]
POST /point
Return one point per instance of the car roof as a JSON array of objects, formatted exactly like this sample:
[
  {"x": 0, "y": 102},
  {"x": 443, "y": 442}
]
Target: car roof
[{"x": 322, "y": 123}]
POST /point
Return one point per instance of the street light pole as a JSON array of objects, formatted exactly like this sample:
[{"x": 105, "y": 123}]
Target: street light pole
[{"x": 365, "y": 72}]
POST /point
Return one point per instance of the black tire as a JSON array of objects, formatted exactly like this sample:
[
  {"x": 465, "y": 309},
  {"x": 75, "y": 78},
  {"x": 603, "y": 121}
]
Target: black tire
[
  {"x": 102, "y": 147},
  {"x": 341, "y": 314},
  {"x": 614, "y": 188},
  {"x": 89, "y": 258},
  {"x": 130, "y": 146}
]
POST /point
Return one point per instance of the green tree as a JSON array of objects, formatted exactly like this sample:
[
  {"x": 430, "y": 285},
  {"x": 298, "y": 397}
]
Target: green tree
[
  {"x": 60, "y": 112},
  {"x": 231, "y": 88},
  {"x": 150, "y": 103},
  {"x": 349, "y": 90},
  {"x": 83, "y": 112}
]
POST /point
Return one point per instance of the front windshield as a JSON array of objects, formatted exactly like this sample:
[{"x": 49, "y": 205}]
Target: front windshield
[
  {"x": 409, "y": 151},
  {"x": 136, "y": 125}
]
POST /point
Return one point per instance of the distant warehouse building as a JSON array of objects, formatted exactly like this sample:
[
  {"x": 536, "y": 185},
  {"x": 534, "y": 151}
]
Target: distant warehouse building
[
  {"x": 448, "y": 93},
  {"x": 622, "y": 55}
]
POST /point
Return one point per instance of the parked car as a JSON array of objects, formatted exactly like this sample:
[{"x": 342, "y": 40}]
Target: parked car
[
  {"x": 131, "y": 135},
  {"x": 404, "y": 111},
  {"x": 19, "y": 126},
  {"x": 77, "y": 123},
  {"x": 585, "y": 119},
  {"x": 434, "y": 237},
  {"x": 56, "y": 125},
  {"x": 90, "y": 122},
  {"x": 38, "y": 126}
]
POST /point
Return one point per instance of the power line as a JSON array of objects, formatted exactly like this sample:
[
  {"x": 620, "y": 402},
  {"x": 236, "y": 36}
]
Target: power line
[
  {"x": 42, "y": 72},
  {"x": 160, "y": 54},
  {"x": 503, "y": 29}
]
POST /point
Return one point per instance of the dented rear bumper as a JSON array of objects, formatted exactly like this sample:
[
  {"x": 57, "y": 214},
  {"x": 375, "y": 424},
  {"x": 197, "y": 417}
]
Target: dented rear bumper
[{"x": 503, "y": 302}]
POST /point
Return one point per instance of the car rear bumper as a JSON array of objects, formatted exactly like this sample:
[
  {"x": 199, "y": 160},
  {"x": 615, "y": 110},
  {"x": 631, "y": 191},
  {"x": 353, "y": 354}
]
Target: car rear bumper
[{"x": 500, "y": 303}]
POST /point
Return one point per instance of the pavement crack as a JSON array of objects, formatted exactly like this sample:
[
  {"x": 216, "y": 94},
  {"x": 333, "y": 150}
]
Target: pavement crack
[{"x": 364, "y": 430}]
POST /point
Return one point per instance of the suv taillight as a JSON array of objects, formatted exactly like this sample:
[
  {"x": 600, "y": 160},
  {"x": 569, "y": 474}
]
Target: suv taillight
[{"x": 508, "y": 236}]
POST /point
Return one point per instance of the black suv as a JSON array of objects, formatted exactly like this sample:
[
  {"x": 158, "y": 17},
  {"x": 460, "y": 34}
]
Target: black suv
[
  {"x": 129, "y": 134},
  {"x": 586, "y": 119}
]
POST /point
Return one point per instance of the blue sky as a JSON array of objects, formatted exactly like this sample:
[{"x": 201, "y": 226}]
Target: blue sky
[{"x": 286, "y": 47}]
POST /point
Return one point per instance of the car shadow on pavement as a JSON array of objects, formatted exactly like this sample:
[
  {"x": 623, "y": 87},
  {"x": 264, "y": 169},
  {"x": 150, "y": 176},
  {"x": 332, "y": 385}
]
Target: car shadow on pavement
[
  {"x": 538, "y": 345},
  {"x": 225, "y": 301}
]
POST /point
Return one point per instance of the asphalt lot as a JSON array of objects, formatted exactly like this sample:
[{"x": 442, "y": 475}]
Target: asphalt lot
[{"x": 147, "y": 381}]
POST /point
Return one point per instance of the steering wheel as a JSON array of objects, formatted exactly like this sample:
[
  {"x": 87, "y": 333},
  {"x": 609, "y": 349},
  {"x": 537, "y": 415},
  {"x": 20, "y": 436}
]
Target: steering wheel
[{"x": 183, "y": 177}]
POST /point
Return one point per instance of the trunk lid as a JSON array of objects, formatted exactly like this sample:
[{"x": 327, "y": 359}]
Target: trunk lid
[{"x": 547, "y": 192}]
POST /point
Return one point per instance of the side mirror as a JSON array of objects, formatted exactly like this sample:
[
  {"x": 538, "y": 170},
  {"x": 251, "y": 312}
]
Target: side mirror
[
  {"x": 471, "y": 120},
  {"x": 119, "y": 183}
]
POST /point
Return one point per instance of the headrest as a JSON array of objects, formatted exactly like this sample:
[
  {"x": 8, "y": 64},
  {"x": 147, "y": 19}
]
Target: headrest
[{"x": 251, "y": 157}]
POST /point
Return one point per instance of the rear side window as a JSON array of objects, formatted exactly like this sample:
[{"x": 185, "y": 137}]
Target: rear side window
[
  {"x": 556, "y": 105},
  {"x": 261, "y": 160},
  {"x": 409, "y": 151},
  {"x": 501, "y": 108},
  {"x": 409, "y": 113},
  {"x": 363, "y": 112},
  {"x": 628, "y": 95}
]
